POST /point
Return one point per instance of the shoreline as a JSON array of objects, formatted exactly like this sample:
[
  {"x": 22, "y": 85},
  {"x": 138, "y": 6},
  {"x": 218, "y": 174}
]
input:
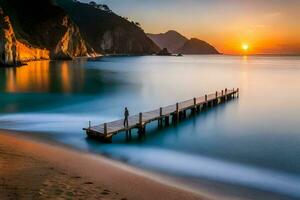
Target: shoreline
[
  {"x": 25, "y": 63},
  {"x": 33, "y": 169},
  {"x": 202, "y": 189}
]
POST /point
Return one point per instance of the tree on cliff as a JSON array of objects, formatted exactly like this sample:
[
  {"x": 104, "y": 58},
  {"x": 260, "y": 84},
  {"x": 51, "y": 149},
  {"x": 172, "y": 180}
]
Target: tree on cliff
[{"x": 92, "y": 3}]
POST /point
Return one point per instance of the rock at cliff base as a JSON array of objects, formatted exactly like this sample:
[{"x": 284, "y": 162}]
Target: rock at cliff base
[{"x": 164, "y": 52}]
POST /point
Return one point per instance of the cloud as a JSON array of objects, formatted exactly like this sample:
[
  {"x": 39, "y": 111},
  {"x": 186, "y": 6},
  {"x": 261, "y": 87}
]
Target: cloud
[{"x": 273, "y": 15}]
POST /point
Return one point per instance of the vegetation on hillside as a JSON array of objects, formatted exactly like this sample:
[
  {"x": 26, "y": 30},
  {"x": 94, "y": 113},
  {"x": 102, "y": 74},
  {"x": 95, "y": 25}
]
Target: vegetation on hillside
[{"x": 107, "y": 32}]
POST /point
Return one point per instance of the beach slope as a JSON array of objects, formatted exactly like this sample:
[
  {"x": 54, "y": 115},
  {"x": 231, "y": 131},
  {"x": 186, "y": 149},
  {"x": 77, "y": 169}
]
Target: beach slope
[{"x": 34, "y": 170}]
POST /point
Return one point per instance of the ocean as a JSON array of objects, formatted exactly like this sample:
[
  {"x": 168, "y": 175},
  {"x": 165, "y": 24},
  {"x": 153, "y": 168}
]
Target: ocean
[{"x": 251, "y": 143}]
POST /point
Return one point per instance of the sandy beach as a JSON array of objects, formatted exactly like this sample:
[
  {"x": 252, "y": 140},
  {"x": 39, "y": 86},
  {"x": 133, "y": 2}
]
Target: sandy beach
[{"x": 34, "y": 170}]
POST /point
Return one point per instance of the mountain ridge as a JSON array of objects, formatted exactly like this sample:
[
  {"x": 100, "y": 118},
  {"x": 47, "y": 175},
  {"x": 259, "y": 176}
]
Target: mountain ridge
[
  {"x": 179, "y": 44},
  {"x": 172, "y": 40}
]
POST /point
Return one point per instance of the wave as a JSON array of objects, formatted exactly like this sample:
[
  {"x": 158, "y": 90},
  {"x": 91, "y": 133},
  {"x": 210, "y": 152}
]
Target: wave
[
  {"x": 50, "y": 122},
  {"x": 163, "y": 160},
  {"x": 187, "y": 165}
]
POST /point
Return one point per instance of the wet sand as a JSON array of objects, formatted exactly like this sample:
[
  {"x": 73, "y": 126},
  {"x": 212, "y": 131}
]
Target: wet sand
[{"x": 34, "y": 170}]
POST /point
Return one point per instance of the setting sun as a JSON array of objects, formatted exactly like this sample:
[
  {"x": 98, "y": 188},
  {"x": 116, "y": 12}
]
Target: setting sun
[{"x": 245, "y": 47}]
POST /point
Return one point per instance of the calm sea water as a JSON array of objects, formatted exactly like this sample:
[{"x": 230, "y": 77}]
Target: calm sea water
[{"x": 252, "y": 141}]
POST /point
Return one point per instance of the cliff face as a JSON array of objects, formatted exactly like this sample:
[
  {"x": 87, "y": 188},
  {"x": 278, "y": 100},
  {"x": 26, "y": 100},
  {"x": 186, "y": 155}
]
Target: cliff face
[
  {"x": 107, "y": 32},
  {"x": 122, "y": 41},
  {"x": 171, "y": 40},
  {"x": 8, "y": 47},
  {"x": 68, "y": 43},
  {"x": 27, "y": 53},
  {"x": 36, "y": 29},
  {"x": 12, "y": 51}
]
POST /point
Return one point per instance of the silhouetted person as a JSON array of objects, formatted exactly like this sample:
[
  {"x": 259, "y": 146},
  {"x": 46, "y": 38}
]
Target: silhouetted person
[{"x": 126, "y": 115}]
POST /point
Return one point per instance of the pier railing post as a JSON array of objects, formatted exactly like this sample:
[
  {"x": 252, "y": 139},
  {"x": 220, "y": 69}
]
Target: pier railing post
[
  {"x": 141, "y": 119},
  {"x": 105, "y": 129},
  {"x": 141, "y": 128},
  {"x": 206, "y": 98},
  {"x": 195, "y": 105},
  {"x": 237, "y": 92},
  {"x": 233, "y": 93},
  {"x": 160, "y": 120},
  {"x": 222, "y": 99},
  {"x": 177, "y": 112},
  {"x": 225, "y": 91}
]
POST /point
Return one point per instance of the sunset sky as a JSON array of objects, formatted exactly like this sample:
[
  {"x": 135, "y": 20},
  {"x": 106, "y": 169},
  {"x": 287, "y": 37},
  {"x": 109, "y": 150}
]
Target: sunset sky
[{"x": 266, "y": 26}]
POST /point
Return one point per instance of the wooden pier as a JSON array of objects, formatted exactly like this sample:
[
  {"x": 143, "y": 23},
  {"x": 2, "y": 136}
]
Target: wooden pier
[{"x": 163, "y": 115}]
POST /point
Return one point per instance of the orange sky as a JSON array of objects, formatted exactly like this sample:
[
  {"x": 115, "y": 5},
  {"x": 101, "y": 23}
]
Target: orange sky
[{"x": 268, "y": 26}]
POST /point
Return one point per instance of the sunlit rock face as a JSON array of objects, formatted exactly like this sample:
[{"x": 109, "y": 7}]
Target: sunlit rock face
[
  {"x": 27, "y": 53},
  {"x": 71, "y": 43},
  {"x": 55, "y": 32},
  {"x": 35, "y": 30},
  {"x": 12, "y": 51},
  {"x": 8, "y": 48}
]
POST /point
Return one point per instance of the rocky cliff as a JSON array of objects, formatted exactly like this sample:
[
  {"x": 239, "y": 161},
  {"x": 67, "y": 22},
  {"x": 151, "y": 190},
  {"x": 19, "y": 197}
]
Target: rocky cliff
[
  {"x": 107, "y": 32},
  {"x": 8, "y": 47},
  {"x": 63, "y": 29},
  {"x": 12, "y": 51},
  {"x": 35, "y": 29}
]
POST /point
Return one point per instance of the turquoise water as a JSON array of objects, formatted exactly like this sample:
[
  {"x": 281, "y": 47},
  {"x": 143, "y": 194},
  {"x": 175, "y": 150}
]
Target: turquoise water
[{"x": 252, "y": 141}]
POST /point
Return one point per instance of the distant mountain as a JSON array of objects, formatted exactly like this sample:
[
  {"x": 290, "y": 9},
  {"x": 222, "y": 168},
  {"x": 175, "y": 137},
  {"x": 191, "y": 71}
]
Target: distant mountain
[
  {"x": 177, "y": 43},
  {"x": 196, "y": 46},
  {"x": 171, "y": 40},
  {"x": 107, "y": 32}
]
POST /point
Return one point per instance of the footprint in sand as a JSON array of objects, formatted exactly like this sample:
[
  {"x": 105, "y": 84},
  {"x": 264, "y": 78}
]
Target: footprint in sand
[
  {"x": 88, "y": 183},
  {"x": 105, "y": 193},
  {"x": 76, "y": 177}
]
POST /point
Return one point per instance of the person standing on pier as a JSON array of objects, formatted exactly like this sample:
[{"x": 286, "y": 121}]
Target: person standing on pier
[{"x": 126, "y": 115}]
